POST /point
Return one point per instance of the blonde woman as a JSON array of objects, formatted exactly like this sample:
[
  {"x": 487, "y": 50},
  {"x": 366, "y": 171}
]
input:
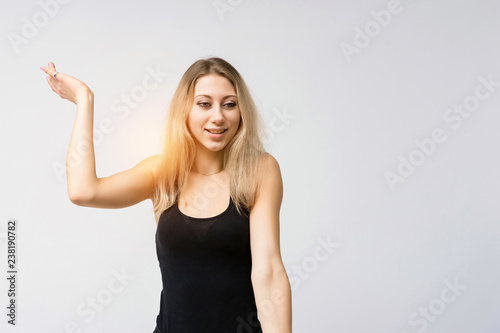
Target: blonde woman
[{"x": 216, "y": 195}]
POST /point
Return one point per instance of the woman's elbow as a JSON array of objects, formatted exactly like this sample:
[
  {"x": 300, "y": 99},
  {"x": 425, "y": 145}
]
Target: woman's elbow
[
  {"x": 79, "y": 198},
  {"x": 269, "y": 275}
]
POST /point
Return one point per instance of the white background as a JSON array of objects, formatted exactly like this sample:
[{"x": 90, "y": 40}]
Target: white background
[{"x": 351, "y": 119}]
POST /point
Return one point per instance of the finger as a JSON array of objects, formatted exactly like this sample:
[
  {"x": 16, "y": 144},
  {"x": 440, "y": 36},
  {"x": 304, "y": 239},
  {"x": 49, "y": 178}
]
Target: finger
[
  {"x": 48, "y": 70},
  {"x": 54, "y": 89},
  {"x": 51, "y": 73},
  {"x": 50, "y": 84},
  {"x": 54, "y": 71},
  {"x": 52, "y": 66}
]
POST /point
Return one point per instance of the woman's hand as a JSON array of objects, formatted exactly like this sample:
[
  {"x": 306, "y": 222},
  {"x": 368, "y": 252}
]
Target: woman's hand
[{"x": 66, "y": 86}]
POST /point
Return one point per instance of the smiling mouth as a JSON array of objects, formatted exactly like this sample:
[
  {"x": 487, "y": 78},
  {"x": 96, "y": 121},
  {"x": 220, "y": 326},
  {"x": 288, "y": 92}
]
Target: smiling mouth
[{"x": 216, "y": 132}]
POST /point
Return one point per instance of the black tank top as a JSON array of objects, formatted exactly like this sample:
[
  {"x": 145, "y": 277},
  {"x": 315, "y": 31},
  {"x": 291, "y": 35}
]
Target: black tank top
[{"x": 205, "y": 266}]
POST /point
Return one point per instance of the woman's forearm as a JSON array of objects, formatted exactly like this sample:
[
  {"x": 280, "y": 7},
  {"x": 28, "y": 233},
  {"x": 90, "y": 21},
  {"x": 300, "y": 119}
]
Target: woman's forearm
[
  {"x": 80, "y": 161},
  {"x": 273, "y": 298}
]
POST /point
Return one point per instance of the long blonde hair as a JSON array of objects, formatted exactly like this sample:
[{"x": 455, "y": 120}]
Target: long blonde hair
[{"x": 242, "y": 159}]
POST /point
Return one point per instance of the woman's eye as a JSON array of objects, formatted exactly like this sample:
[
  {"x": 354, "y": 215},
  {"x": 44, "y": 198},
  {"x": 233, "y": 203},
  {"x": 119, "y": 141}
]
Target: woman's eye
[
  {"x": 230, "y": 105},
  {"x": 203, "y": 104}
]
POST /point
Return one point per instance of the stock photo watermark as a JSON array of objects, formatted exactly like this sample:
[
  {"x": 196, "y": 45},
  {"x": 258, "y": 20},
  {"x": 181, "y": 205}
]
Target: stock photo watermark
[
  {"x": 122, "y": 107},
  {"x": 363, "y": 37},
  {"x": 277, "y": 124},
  {"x": 310, "y": 264},
  {"x": 429, "y": 313},
  {"x": 223, "y": 6},
  {"x": 266, "y": 308},
  {"x": 299, "y": 273},
  {"x": 454, "y": 116},
  {"x": 98, "y": 302},
  {"x": 12, "y": 270},
  {"x": 30, "y": 27}
]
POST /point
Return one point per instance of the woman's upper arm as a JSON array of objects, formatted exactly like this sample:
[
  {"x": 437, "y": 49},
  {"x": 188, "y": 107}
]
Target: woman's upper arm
[
  {"x": 123, "y": 189},
  {"x": 264, "y": 222}
]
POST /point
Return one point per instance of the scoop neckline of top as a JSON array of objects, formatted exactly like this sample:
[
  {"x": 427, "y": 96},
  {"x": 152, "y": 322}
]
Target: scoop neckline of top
[{"x": 204, "y": 218}]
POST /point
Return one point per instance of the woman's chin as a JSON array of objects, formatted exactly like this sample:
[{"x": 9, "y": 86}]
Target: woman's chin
[{"x": 213, "y": 146}]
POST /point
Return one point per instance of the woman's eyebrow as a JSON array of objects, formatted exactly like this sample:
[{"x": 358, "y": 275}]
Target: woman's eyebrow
[{"x": 211, "y": 96}]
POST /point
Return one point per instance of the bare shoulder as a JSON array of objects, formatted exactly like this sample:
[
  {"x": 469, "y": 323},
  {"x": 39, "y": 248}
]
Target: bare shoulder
[
  {"x": 151, "y": 163},
  {"x": 270, "y": 184},
  {"x": 270, "y": 160},
  {"x": 270, "y": 167},
  {"x": 153, "y": 160}
]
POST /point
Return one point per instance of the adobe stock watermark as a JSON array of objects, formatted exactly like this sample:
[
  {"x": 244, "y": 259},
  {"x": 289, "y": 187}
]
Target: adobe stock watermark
[
  {"x": 223, "y": 6},
  {"x": 310, "y": 264},
  {"x": 122, "y": 107},
  {"x": 421, "y": 319},
  {"x": 454, "y": 116},
  {"x": 372, "y": 29},
  {"x": 31, "y": 26},
  {"x": 267, "y": 308},
  {"x": 296, "y": 276},
  {"x": 98, "y": 302},
  {"x": 277, "y": 124},
  {"x": 199, "y": 201}
]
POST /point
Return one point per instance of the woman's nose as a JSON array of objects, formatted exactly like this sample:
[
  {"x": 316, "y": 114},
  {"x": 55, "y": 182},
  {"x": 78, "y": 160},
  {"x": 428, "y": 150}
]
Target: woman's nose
[{"x": 216, "y": 113}]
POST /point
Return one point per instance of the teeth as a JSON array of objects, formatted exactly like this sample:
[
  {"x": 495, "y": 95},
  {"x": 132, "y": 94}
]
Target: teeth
[{"x": 216, "y": 132}]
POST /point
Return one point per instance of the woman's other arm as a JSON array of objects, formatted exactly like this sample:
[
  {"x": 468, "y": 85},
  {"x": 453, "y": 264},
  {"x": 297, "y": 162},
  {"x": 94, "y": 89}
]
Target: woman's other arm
[{"x": 269, "y": 278}]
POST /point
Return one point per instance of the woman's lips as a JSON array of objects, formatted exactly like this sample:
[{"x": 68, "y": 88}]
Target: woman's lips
[{"x": 216, "y": 136}]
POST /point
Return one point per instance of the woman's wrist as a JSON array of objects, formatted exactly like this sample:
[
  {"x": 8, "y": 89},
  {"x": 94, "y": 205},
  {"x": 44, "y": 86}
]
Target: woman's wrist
[{"x": 84, "y": 95}]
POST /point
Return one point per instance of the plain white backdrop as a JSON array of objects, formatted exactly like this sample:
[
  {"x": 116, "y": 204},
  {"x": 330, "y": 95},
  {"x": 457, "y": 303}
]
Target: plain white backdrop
[{"x": 383, "y": 116}]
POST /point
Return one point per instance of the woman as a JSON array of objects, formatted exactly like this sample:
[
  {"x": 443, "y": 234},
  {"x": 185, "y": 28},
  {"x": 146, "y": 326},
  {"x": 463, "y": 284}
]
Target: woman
[{"x": 220, "y": 262}]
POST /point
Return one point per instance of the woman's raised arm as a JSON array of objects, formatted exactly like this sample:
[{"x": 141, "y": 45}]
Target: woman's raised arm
[{"x": 120, "y": 190}]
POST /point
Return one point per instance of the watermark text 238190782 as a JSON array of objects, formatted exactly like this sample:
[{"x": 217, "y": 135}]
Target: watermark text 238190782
[{"x": 11, "y": 271}]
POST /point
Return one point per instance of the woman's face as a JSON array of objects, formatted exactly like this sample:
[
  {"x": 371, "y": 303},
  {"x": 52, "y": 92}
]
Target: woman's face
[{"x": 215, "y": 108}]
